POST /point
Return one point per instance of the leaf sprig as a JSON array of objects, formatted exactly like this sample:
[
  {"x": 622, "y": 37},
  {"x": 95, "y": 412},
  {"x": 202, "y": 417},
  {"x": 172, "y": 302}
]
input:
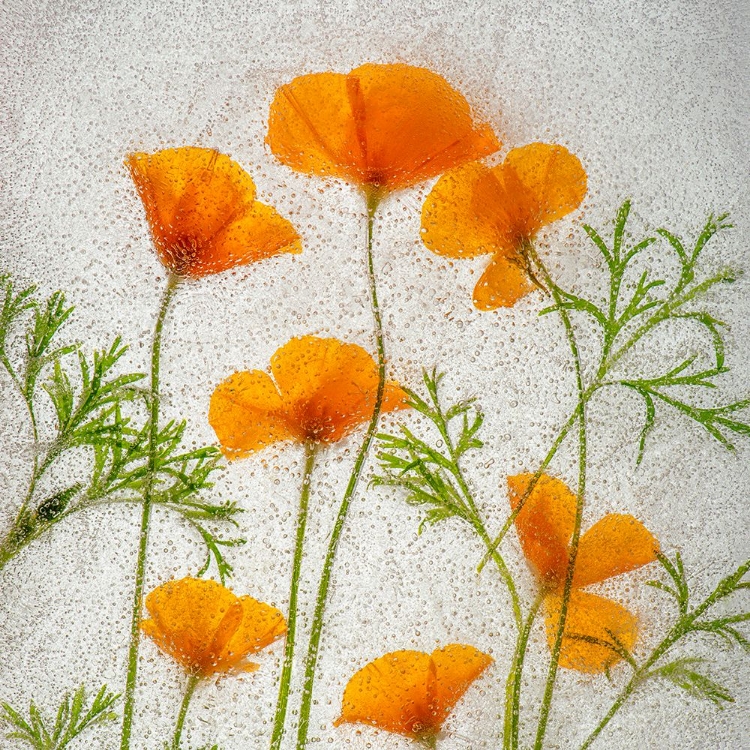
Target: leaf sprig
[
  {"x": 431, "y": 475},
  {"x": 632, "y": 311},
  {"x": 692, "y": 620},
  {"x": 99, "y": 408},
  {"x": 72, "y": 718}
]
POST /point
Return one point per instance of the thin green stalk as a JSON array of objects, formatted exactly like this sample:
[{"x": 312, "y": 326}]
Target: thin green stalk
[
  {"x": 580, "y": 495},
  {"x": 502, "y": 569},
  {"x": 140, "y": 570},
  {"x": 513, "y": 684},
  {"x": 286, "y": 672},
  {"x": 311, "y": 661},
  {"x": 192, "y": 684}
]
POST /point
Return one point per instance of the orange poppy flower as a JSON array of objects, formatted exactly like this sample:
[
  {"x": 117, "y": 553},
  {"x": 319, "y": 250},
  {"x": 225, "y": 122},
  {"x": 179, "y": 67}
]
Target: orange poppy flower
[
  {"x": 202, "y": 211},
  {"x": 477, "y": 210},
  {"x": 206, "y": 628},
  {"x": 323, "y": 390},
  {"x": 410, "y": 692},
  {"x": 616, "y": 544},
  {"x": 381, "y": 127}
]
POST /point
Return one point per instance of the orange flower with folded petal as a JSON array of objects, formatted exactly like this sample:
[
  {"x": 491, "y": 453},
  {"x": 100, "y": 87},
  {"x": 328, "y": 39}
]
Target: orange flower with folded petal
[
  {"x": 410, "y": 692},
  {"x": 206, "y": 628},
  {"x": 321, "y": 390},
  {"x": 616, "y": 544},
  {"x": 382, "y": 127},
  {"x": 202, "y": 211},
  {"x": 477, "y": 210}
]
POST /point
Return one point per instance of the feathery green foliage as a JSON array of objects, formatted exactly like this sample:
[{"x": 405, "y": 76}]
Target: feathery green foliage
[{"x": 72, "y": 718}]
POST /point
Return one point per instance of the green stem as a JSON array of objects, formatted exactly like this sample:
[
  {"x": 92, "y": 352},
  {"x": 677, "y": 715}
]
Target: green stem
[
  {"x": 286, "y": 672},
  {"x": 580, "y": 495},
  {"x": 502, "y": 569},
  {"x": 192, "y": 684},
  {"x": 16, "y": 538},
  {"x": 477, "y": 521},
  {"x": 140, "y": 570},
  {"x": 311, "y": 661},
  {"x": 513, "y": 684}
]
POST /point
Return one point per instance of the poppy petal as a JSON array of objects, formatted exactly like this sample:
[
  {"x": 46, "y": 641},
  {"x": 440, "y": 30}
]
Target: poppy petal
[
  {"x": 590, "y": 625},
  {"x": 261, "y": 232},
  {"x": 451, "y": 225},
  {"x": 415, "y": 125},
  {"x": 247, "y": 414},
  {"x": 311, "y": 127},
  {"x": 384, "y": 125},
  {"x": 544, "y": 524},
  {"x": 189, "y": 194},
  {"x": 502, "y": 284},
  {"x": 260, "y": 625},
  {"x": 456, "y": 667},
  {"x": 329, "y": 387},
  {"x": 553, "y": 180},
  {"x": 614, "y": 545},
  {"x": 185, "y": 617},
  {"x": 391, "y": 693}
]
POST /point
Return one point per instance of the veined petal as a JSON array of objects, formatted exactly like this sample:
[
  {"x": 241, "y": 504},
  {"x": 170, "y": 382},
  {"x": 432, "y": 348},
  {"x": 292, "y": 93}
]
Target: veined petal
[
  {"x": 614, "y": 545},
  {"x": 306, "y": 363},
  {"x": 261, "y": 232},
  {"x": 553, "y": 182},
  {"x": 391, "y": 693},
  {"x": 415, "y": 125},
  {"x": 329, "y": 387},
  {"x": 248, "y": 414},
  {"x": 380, "y": 125},
  {"x": 185, "y": 617},
  {"x": 311, "y": 127},
  {"x": 451, "y": 225},
  {"x": 189, "y": 192},
  {"x": 502, "y": 284},
  {"x": 590, "y": 625},
  {"x": 456, "y": 667},
  {"x": 260, "y": 625},
  {"x": 544, "y": 524}
]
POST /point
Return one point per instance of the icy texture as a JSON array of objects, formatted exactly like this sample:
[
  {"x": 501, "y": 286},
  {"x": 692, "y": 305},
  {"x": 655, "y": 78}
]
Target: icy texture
[{"x": 651, "y": 96}]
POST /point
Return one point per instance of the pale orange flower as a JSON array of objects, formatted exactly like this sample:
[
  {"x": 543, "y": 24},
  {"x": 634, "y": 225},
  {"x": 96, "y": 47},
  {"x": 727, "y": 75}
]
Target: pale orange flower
[
  {"x": 410, "y": 692},
  {"x": 478, "y": 210},
  {"x": 206, "y": 628},
  {"x": 382, "y": 127},
  {"x": 616, "y": 544},
  {"x": 323, "y": 390},
  {"x": 202, "y": 211}
]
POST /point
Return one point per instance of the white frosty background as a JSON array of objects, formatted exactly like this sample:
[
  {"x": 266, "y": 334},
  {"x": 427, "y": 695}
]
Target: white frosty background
[{"x": 653, "y": 97}]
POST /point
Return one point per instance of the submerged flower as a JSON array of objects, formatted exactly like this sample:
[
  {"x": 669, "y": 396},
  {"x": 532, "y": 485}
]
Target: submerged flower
[
  {"x": 202, "y": 211},
  {"x": 410, "y": 692},
  {"x": 381, "y": 127},
  {"x": 616, "y": 544},
  {"x": 322, "y": 389},
  {"x": 206, "y": 628},
  {"x": 478, "y": 210}
]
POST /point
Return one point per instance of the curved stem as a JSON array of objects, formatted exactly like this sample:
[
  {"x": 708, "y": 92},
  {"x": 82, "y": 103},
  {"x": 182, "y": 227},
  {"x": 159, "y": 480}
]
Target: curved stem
[
  {"x": 140, "y": 570},
  {"x": 286, "y": 672},
  {"x": 513, "y": 684},
  {"x": 192, "y": 684},
  {"x": 502, "y": 569},
  {"x": 580, "y": 495},
  {"x": 311, "y": 661}
]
